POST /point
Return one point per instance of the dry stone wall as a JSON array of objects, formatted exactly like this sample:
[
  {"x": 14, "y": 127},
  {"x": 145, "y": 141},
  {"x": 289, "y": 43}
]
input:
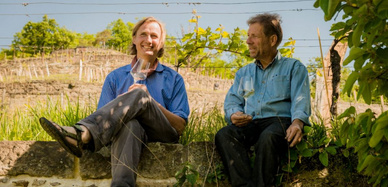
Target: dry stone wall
[{"x": 37, "y": 163}]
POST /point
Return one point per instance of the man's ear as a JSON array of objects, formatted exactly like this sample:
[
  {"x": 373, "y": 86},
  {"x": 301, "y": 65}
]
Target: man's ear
[{"x": 273, "y": 40}]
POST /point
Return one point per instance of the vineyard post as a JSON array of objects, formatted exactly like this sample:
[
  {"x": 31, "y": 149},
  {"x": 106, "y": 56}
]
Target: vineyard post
[{"x": 80, "y": 69}]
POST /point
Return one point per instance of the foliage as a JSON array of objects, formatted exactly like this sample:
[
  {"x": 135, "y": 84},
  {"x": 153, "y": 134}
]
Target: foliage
[
  {"x": 186, "y": 173},
  {"x": 364, "y": 27},
  {"x": 217, "y": 175},
  {"x": 103, "y": 37},
  {"x": 7, "y": 53},
  {"x": 121, "y": 38},
  {"x": 42, "y": 37},
  {"x": 367, "y": 136},
  {"x": 205, "y": 48},
  {"x": 46, "y": 36},
  {"x": 200, "y": 47},
  {"x": 288, "y": 52},
  {"x": 84, "y": 40},
  {"x": 316, "y": 141}
]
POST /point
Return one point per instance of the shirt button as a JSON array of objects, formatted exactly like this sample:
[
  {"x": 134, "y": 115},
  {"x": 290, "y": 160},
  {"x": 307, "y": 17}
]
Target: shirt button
[
  {"x": 263, "y": 82},
  {"x": 258, "y": 101}
]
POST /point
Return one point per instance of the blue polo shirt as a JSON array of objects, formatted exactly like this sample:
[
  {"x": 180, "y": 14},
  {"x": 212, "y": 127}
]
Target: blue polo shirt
[
  {"x": 165, "y": 85},
  {"x": 280, "y": 90}
]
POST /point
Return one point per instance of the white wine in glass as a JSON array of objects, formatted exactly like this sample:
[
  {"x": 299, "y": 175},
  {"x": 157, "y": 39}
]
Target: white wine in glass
[
  {"x": 246, "y": 89},
  {"x": 139, "y": 70}
]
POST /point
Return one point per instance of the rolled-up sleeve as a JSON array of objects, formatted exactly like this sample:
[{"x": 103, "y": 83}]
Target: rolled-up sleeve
[
  {"x": 233, "y": 102},
  {"x": 300, "y": 94}
]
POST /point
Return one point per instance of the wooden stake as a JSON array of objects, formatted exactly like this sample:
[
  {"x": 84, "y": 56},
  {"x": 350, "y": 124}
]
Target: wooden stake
[
  {"x": 80, "y": 69},
  {"x": 324, "y": 71}
]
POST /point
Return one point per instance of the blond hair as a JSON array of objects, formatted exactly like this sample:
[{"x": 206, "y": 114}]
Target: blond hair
[{"x": 150, "y": 19}]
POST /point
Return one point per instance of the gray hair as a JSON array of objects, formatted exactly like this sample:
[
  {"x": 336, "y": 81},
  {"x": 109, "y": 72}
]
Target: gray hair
[{"x": 270, "y": 23}]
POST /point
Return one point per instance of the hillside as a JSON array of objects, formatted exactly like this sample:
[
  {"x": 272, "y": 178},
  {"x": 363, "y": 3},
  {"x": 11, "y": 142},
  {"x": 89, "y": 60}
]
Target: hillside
[
  {"x": 30, "y": 80},
  {"x": 27, "y": 81}
]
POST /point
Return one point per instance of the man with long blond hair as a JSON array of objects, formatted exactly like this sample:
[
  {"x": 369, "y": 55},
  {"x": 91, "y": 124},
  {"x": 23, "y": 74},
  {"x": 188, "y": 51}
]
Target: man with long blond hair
[{"x": 130, "y": 113}]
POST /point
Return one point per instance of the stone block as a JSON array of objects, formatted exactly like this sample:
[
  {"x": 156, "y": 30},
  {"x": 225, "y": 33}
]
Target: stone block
[
  {"x": 96, "y": 165},
  {"x": 161, "y": 160},
  {"x": 203, "y": 156},
  {"x": 35, "y": 158}
]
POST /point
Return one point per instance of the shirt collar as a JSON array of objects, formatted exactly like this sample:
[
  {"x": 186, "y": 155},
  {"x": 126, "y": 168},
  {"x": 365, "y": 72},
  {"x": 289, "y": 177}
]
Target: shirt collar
[{"x": 274, "y": 60}]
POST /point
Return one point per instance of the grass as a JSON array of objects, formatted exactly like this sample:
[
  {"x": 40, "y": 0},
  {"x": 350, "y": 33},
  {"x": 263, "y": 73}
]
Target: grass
[
  {"x": 23, "y": 124},
  {"x": 203, "y": 126}
]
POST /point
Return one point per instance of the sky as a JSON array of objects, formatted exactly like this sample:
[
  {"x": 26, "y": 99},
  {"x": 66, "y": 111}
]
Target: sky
[{"x": 300, "y": 20}]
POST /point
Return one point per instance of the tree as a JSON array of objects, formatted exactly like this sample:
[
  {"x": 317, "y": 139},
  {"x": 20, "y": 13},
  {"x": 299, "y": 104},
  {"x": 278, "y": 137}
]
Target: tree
[
  {"x": 203, "y": 46},
  {"x": 121, "y": 37},
  {"x": 42, "y": 37},
  {"x": 103, "y": 37},
  {"x": 85, "y": 39},
  {"x": 364, "y": 26}
]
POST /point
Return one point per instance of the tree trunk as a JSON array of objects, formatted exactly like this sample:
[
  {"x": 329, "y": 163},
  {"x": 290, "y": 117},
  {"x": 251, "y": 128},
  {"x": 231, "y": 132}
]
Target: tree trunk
[
  {"x": 326, "y": 101},
  {"x": 335, "y": 61}
]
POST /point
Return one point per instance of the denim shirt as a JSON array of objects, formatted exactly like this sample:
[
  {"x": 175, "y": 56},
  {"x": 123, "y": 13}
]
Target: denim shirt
[
  {"x": 280, "y": 90},
  {"x": 165, "y": 85}
]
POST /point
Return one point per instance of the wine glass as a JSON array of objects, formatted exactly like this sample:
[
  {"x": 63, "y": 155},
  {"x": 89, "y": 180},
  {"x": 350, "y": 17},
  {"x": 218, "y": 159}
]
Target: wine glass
[
  {"x": 139, "y": 70},
  {"x": 246, "y": 90}
]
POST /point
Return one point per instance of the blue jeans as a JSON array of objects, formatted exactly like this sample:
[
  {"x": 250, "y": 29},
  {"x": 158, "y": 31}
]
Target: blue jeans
[{"x": 267, "y": 136}]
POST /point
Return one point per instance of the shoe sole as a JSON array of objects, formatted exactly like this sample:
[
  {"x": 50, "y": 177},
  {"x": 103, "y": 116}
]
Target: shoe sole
[{"x": 55, "y": 133}]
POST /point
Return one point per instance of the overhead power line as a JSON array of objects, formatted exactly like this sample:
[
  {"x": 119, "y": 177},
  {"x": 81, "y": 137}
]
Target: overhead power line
[
  {"x": 160, "y": 3},
  {"x": 132, "y": 13}
]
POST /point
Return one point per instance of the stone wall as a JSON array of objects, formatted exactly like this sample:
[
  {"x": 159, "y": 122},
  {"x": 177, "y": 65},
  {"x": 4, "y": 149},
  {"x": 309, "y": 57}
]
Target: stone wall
[{"x": 38, "y": 163}]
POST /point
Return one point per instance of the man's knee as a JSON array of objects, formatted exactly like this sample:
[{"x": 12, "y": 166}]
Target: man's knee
[{"x": 223, "y": 133}]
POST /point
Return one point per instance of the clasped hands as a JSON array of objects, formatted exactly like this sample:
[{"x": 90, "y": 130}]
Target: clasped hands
[{"x": 294, "y": 132}]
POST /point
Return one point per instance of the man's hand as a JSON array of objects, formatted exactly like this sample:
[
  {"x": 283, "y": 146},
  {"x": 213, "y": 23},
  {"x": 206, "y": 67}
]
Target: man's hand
[
  {"x": 141, "y": 86},
  {"x": 240, "y": 119},
  {"x": 134, "y": 86},
  {"x": 294, "y": 132}
]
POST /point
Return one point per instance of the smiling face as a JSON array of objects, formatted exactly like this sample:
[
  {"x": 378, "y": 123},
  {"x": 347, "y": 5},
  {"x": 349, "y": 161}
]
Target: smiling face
[
  {"x": 260, "y": 46},
  {"x": 148, "y": 41}
]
